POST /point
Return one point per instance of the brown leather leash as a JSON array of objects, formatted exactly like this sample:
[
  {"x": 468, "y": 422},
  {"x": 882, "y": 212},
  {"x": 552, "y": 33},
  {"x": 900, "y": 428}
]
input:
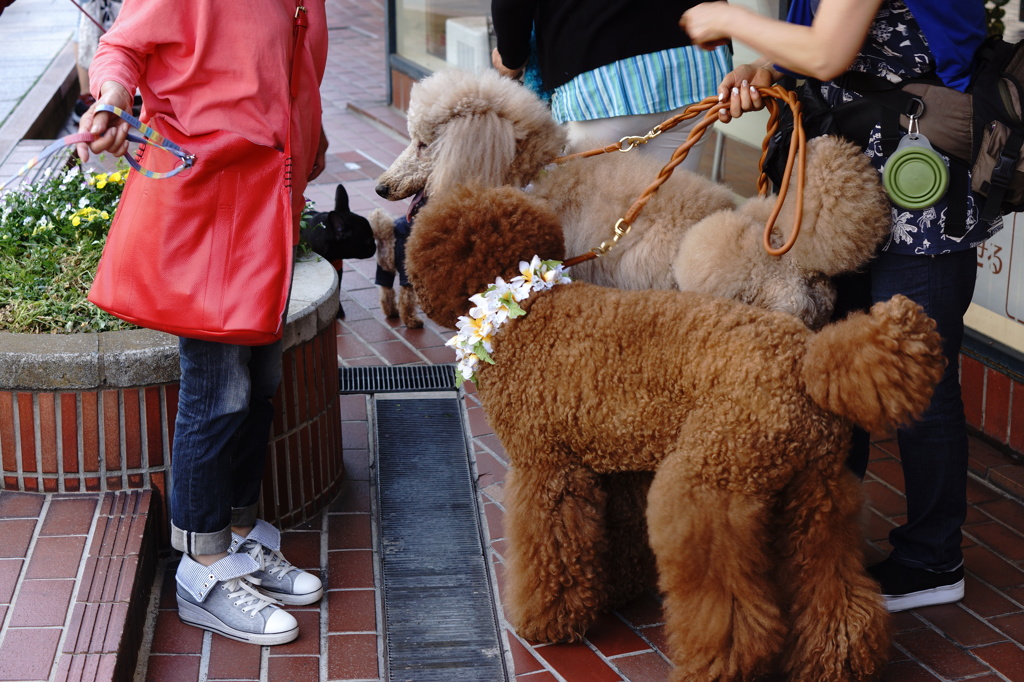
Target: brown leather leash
[{"x": 797, "y": 154}]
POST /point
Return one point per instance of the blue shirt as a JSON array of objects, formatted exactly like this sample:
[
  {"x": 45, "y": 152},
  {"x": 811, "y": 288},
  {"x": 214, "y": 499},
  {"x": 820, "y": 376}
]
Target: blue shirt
[{"x": 646, "y": 84}]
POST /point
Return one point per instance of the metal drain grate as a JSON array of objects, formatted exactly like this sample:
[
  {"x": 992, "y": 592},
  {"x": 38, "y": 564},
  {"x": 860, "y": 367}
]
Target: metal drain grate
[
  {"x": 441, "y": 624},
  {"x": 386, "y": 379}
]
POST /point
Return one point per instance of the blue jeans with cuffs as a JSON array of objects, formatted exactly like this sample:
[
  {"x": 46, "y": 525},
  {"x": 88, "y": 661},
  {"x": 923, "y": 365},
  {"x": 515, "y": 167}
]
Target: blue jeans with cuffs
[{"x": 225, "y": 412}]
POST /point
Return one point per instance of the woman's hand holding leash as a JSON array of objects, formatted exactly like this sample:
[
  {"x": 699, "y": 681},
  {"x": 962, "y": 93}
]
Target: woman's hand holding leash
[{"x": 111, "y": 132}]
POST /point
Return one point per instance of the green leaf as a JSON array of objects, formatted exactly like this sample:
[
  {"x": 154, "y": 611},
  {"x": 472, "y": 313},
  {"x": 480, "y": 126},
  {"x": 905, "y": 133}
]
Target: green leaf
[{"x": 481, "y": 353}]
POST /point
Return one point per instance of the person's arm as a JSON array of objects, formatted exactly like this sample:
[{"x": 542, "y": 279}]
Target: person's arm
[
  {"x": 320, "y": 161},
  {"x": 823, "y": 50},
  {"x": 513, "y": 23}
]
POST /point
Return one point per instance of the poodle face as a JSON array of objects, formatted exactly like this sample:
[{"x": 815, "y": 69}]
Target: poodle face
[{"x": 471, "y": 129}]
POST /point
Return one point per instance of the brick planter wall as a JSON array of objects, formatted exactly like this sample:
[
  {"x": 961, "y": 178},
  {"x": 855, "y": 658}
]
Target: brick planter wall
[{"x": 95, "y": 412}]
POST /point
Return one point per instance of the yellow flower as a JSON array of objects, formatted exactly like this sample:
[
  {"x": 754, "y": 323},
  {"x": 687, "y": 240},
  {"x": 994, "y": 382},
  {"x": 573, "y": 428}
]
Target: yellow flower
[
  {"x": 116, "y": 177},
  {"x": 76, "y": 221}
]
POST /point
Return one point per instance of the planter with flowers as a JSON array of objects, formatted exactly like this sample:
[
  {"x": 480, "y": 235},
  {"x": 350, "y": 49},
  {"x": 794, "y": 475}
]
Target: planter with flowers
[{"x": 87, "y": 402}]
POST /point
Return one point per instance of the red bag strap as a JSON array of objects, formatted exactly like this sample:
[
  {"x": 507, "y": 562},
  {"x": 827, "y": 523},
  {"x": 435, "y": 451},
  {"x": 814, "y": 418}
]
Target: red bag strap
[{"x": 299, "y": 31}]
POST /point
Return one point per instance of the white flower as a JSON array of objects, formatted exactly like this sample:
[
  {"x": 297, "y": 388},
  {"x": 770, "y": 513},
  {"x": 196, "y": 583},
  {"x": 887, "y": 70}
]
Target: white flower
[{"x": 496, "y": 306}]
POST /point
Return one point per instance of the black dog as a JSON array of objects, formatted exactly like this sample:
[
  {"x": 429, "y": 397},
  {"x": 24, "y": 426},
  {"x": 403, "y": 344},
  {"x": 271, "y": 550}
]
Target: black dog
[{"x": 339, "y": 234}]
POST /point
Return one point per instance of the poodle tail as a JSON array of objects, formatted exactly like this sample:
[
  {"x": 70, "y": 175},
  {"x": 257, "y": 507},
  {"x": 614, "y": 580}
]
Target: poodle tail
[
  {"x": 382, "y": 224},
  {"x": 877, "y": 369}
]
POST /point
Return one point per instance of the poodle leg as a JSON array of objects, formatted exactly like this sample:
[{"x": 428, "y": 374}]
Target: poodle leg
[
  {"x": 407, "y": 307},
  {"x": 387, "y": 302},
  {"x": 554, "y": 523},
  {"x": 839, "y": 627},
  {"x": 629, "y": 560},
  {"x": 722, "y": 616}
]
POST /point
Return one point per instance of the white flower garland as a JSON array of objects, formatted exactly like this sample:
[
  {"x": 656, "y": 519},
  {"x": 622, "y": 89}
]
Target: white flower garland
[{"x": 494, "y": 307}]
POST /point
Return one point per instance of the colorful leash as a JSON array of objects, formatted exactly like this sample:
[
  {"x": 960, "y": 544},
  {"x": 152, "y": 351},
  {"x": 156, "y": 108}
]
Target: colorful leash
[{"x": 145, "y": 135}]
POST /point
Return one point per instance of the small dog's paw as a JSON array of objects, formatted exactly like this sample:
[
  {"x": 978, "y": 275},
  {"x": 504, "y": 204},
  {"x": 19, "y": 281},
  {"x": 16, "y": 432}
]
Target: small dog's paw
[{"x": 413, "y": 322}]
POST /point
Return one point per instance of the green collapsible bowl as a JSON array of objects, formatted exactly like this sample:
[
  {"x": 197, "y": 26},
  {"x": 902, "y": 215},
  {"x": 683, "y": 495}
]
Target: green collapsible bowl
[{"x": 915, "y": 177}]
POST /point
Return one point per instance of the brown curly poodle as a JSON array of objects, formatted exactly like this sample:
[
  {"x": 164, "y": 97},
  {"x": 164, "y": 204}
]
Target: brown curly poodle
[{"x": 742, "y": 414}]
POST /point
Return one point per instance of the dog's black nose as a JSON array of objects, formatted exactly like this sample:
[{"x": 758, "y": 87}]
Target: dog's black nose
[{"x": 382, "y": 191}]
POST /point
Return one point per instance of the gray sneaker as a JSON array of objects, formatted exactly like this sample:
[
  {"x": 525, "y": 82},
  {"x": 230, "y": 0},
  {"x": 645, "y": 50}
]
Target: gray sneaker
[
  {"x": 221, "y": 598},
  {"x": 276, "y": 576}
]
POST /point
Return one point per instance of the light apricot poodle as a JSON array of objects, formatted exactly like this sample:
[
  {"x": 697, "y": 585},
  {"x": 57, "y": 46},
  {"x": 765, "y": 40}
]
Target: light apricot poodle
[
  {"x": 492, "y": 131},
  {"x": 741, "y": 414}
]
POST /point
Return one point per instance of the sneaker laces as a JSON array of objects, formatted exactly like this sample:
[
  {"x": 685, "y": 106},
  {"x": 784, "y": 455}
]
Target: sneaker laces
[
  {"x": 271, "y": 560},
  {"x": 241, "y": 590}
]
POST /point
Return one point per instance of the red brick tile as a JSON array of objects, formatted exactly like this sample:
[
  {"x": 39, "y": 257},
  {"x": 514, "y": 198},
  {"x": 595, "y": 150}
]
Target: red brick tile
[
  {"x": 31, "y": 485},
  {"x": 1012, "y": 625},
  {"x": 163, "y": 668},
  {"x": 111, "y": 430},
  {"x": 907, "y": 671},
  {"x": 657, "y": 635},
  {"x": 302, "y": 548},
  {"x": 301, "y": 384},
  {"x": 1007, "y": 658},
  {"x": 42, "y": 603},
  {"x": 171, "y": 636},
  {"x": 612, "y": 637},
  {"x": 232, "y": 660},
  {"x": 7, "y": 431},
  {"x": 958, "y": 624},
  {"x": 357, "y": 464},
  {"x": 353, "y": 498},
  {"x": 349, "y": 531},
  {"x": 523, "y": 658},
  {"x": 883, "y": 499},
  {"x": 980, "y": 493},
  {"x": 349, "y": 569},
  {"x": 1000, "y": 540},
  {"x": 997, "y": 405},
  {"x": 69, "y": 516},
  {"x": 15, "y": 665},
  {"x": 355, "y": 435},
  {"x": 56, "y": 557},
  {"x": 478, "y": 424},
  {"x": 1006, "y": 511},
  {"x": 646, "y": 667},
  {"x": 288, "y": 392},
  {"x": 577, "y": 663},
  {"x": 16, "y": 535},
  {"x": 351, "y": 347},
  {"x": 48, "y": 432},
  {"x": 372, "y": 331},
  {"x": 352, "y": 657},
  {"x": 154, "y": 426},
  {"x": 992, "y": 569},
  {"x": 972, "y": 388},
  {"x": 90, "y": 432},
  {"x": 10, "y": 569},
  {"x": 1016, "y": 440},
  {"x": 171, "y": 404},
  {"x": 72, "y": 485},
  {"x": 293, "y": 667},
  {"x": 396, "y": 353},
  {"x": 489, "y": 468},
  {"x": 351, "y": 611},
  {"x": 939, "y": 654},
  {"x": 308, "y": 641},
  {"x": 495, "y": 521},
  {"x": 115, "y": 627},
  {"x": 26, "y": 429},
  {"x": 15, "y": 505},
  {"x": 353, "y": 407},
  {"x": 540, "y": 676},
  {"x": 132, "y": 428},
  {"x": 1009, "y": 478},
  {"x": 983, "y": 457}
]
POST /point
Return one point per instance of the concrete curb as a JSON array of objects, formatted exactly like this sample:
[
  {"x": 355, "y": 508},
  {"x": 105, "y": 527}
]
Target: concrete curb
[{"x": 122, "y": 359}]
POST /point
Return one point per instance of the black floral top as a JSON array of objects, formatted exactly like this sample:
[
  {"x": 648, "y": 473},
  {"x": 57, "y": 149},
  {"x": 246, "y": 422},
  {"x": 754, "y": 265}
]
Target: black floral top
[{"x": 896, "y": 49}]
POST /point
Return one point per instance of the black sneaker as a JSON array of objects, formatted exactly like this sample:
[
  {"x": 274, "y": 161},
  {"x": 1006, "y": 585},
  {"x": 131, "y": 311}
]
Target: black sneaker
[{"x": 909, "y": 588}]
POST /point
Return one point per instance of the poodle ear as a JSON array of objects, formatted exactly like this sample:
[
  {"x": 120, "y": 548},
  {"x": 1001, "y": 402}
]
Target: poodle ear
[
  {"x": 340, "y": 199},
  {"x": 477, "y": 148}
]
